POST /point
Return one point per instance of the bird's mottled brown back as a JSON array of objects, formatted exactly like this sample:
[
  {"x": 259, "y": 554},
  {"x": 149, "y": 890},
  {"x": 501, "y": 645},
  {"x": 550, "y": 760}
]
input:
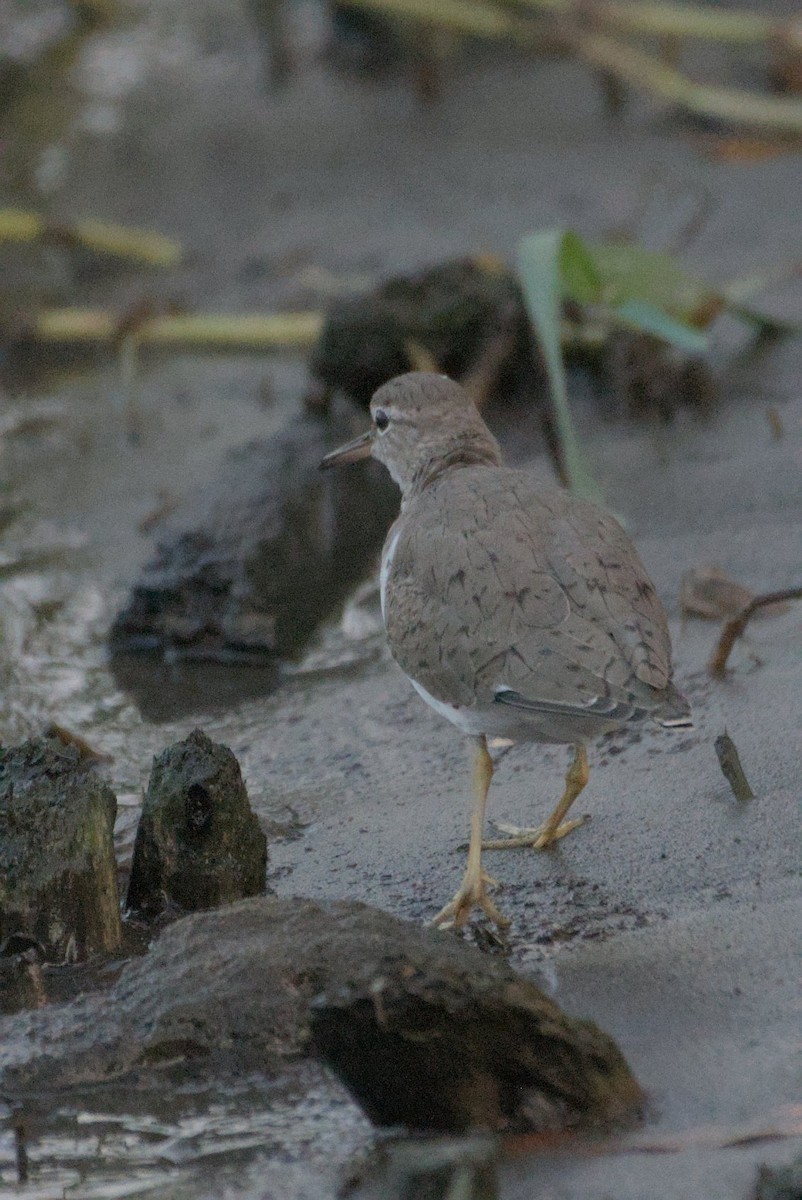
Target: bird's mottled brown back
[{"x": 495, "y": 583}]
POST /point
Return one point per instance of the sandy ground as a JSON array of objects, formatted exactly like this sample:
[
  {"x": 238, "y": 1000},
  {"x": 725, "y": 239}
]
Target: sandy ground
[{"x": 673, "y": 917}]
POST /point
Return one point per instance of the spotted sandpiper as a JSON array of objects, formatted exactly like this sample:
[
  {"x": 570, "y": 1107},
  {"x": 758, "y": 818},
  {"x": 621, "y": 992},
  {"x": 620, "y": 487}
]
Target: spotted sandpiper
[{"x": 516, "y": 612}]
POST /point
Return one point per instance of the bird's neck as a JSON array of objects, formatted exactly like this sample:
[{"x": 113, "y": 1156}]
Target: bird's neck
[{"x": 479, "y": 450}]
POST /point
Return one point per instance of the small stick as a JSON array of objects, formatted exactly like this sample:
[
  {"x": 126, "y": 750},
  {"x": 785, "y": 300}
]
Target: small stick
[
  {"x": 730, "y": 764},
  {"x": 250, "y": 331},
  {"x": 733, "y": 629},
  {"x": 21, "y": 1149},
  {"x": 775, "y": 424},
  {"x": 86, "y": 752},
  {"x": 479, "y": 382},
  {"x": 138, "y": 245}
]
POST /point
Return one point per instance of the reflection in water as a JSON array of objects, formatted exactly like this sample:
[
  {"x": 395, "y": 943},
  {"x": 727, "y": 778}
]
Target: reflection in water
[
  {"x": 165, "y": 691},
  {"x": 112, "y": 1141}
]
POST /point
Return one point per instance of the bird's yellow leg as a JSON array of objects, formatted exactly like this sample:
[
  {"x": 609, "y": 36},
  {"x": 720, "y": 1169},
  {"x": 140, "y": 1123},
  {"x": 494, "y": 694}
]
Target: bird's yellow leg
[
  {"x": 472, "y": 892},
  {"x": 555, "y": 828}
]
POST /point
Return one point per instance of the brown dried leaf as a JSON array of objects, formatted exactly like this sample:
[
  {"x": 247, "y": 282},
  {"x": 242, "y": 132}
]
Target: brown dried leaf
[
  {"x": 710, "y": 593},
  {"x": 86, "y": 752},
  {"x": 780, "y": 1123},
  {"x": 747, "y": 150}
]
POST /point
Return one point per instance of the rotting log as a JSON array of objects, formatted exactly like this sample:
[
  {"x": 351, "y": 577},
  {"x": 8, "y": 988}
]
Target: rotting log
[
  {"x": 426, "y": 1046},
  {"x": 58, "y": 874},
  {"x": 444, "y": 1037},
  {"x": 198, "y": 843}
]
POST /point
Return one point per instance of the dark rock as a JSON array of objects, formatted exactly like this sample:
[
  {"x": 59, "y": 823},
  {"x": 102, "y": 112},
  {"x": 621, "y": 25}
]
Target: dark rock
[
  {"x": 648, "y": 378},
  {"x": 58, "y": 875},
  {"x": 198, "y": 843},
  {"x": 431, "y": 1043},
  {"x": 443, "y": 1036},
  {"x": 450, "y": 310},
  {"x": 780, "y": 1183},
  {"x": 249, "y": 564}
]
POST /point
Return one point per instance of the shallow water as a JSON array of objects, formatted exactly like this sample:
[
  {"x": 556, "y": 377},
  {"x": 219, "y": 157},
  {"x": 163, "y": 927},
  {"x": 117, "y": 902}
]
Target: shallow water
[{"x": 116, "y": 1143}]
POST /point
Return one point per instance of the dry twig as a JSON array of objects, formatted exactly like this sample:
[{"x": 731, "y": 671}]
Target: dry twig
[
  {"x": 733, "y": 629},
  {"x": 730, "y": 763},
  {"x": 223, "y": 332},
  {"x": 100, "y": 237},
  {"x": 783, "y": 1122}
]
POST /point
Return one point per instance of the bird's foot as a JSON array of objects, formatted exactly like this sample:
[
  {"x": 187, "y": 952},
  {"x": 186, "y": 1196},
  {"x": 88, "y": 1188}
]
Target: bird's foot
[
  {"x": 472, "y": 894},
  {"x": 538, "y": 838}
]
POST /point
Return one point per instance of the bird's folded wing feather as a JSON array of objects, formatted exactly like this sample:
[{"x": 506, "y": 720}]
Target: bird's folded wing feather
[{"x": 534, "y": 592}]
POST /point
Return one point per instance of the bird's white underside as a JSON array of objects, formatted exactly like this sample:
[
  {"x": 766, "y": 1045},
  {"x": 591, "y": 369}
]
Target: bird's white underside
[
  {"x": 466, "y": 721},
  {"x": 387, "y": 562}
]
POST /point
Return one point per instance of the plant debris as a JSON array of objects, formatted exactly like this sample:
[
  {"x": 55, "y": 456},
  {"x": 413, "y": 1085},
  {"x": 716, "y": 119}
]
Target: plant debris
[
  {"x": 135, "y": 245},
  {"x": 648, "y": 377},
  {"x": 446, "y": 314},
  {"x": 730, "y": 763},
  {"x": 734, "y": 628},
  {"x": 86, "y": 752},
  {"x": 598, "y": 35},
  {"x": 199, "y": 843},
  {"x": 710, "y": 593}
]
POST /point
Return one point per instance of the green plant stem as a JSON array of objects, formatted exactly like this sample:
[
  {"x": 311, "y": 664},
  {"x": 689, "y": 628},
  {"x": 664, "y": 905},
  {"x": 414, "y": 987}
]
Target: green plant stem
[
  {"x": 645, "y": 72},
  {"x": 740, "y": 27}
]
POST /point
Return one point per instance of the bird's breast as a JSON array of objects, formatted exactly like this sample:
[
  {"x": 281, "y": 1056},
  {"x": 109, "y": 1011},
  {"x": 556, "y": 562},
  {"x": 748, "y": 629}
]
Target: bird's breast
[{"x": 388, "y": 553}]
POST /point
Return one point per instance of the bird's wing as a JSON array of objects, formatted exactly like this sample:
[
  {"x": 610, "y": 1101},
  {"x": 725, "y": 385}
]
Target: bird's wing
[{"x": 527, "y": 593}]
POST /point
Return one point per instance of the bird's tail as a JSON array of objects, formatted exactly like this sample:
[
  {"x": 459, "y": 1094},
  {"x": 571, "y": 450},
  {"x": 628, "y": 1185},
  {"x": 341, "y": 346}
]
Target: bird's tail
[{"x": 674, "y": 711}]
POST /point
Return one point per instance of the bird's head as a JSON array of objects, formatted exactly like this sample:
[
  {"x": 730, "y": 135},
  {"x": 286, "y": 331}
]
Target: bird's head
[{"x": 423, "y": 424}]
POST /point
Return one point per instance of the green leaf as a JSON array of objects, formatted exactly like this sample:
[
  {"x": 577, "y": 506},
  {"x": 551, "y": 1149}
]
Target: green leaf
[
  {"x": 579, "y": 275},
  {"x": 638, "y": 314},
  {"x": 539, "y": 261},
  {"x": 630, "y": 272}
]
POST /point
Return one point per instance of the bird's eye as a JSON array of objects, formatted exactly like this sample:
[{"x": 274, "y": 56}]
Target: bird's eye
[{"x": 381, "y": 419}]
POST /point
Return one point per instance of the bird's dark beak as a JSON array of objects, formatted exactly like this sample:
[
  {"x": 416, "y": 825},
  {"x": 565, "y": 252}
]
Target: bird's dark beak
[{"x": 358, "y": 448}]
